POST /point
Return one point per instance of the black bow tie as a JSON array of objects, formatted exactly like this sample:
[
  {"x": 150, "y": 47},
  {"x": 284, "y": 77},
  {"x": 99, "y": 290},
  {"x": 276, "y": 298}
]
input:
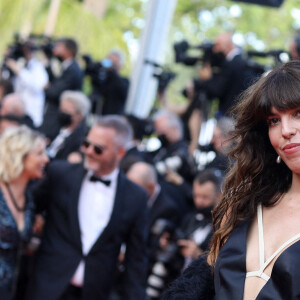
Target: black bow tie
[{"x": 95, "y": 178}]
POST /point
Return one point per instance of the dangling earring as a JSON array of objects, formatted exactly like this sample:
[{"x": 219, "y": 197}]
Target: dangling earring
[{"x": 278, "y": 159}]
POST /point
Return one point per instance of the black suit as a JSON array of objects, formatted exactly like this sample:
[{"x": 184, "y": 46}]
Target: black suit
[
  {"x": 163, "y": 208},
  {"x": 61, "y": 249},
  {"x": 185, "y": 170},
  {"x": 233, "y": 78},
  {"x": 73, "y": 142},
  {"x": 114, "y": 92},
  {"x": 70, "y": 79}
]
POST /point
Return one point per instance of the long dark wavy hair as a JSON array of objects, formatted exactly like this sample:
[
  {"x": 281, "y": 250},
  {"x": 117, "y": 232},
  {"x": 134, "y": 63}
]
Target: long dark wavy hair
[{"x": 255, "y": 177}]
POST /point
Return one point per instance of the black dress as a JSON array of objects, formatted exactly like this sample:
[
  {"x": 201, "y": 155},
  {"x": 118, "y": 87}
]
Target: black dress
[
  {"x": 11, "y": 244},
  {"x": 230, "y": 270}
]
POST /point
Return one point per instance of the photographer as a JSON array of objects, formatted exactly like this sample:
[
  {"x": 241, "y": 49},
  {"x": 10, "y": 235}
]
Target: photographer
[
  {"x": 29, "y": 80},
  {"x": 181, "y": 246},
  {"x": 65, "y": 51},
  {"x": 232, "y": 75},
  {"x": 197, "y": 226},
  {"x": 172, "y": 156},
  {"x": 109, "y": 87}
]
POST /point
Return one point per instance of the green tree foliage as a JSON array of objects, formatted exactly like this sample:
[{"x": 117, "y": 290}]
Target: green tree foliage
[
  {"x": 194, "y": 20},
  {"x": 95, "y": 36}
]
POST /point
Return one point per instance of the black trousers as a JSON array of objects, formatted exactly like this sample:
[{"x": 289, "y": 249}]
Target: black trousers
[{"x": 72, "y": 293}]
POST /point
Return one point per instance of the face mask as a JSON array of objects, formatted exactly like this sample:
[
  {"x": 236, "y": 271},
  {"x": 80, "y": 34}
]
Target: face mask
[
  {"x": 64, "y": 119},
  {"x": 60, "y": 58},
  {"x": 106, "y": 63},
  {"x": 163, "y": 140}
]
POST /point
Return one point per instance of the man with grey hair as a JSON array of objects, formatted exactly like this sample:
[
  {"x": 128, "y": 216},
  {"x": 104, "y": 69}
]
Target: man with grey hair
[
  {"x": 173, "y": 156},
  {"x": 73, "y": 109},
  {"x": 92, "y": 209}
]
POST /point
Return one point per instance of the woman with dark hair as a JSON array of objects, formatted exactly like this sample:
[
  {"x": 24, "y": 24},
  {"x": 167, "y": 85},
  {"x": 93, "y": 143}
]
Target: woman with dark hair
[
  {"x": 256, "y": 245},
  {"x": 23, "y": 158}
]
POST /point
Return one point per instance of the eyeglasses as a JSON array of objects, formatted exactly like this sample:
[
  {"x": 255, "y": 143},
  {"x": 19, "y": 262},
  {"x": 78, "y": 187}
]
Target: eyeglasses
[{"x": 98, "y": 149}]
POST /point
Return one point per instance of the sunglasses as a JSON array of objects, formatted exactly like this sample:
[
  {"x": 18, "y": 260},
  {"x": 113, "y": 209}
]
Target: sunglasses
[{"x": 98, "y": 149}]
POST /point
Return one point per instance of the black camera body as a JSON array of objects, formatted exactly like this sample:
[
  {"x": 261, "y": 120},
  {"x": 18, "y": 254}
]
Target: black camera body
[
  {"x": 98, "y": 71},
  {"x": 162, "y": 74},
  {"x": 208, "y": 55},
  {"x": 168, "y": 261},
  {"x": 17, "y": 49}
]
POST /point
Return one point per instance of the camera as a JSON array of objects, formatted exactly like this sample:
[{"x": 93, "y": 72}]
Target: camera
[
  {"x": 279, "y": 56},
  {"x": 172, "y": 163},
  {"x": 97, "y": 70},
  {"x": 162, "y": 74},
  {"x": 208, "y": 55},
  {"x": 166, "y": 261},
  {"x": 17, "y": 49}
]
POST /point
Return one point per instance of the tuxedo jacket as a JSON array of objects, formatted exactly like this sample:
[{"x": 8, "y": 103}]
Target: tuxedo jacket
[
  {"x": 61, "y": 249},
  {"x": 163, "y": 208}
]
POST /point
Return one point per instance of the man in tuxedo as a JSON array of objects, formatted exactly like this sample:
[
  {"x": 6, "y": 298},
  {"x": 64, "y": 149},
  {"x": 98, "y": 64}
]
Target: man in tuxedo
[
  {"x": 91, "y": 212},
  {"x": 71, "y": 78}
]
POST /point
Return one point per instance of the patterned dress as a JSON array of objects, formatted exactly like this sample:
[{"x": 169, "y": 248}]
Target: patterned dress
[{"x": 12, "y": 243}]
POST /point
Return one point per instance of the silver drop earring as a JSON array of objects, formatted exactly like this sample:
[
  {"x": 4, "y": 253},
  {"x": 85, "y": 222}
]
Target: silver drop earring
[{"x": 278, "y": 159}]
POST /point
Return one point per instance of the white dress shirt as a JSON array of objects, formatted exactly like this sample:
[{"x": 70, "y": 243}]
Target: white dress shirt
[
  {"x": 29, "y": 84},
  {"x": 233, "y": 53},
  {"x": 96, "y": 201}
]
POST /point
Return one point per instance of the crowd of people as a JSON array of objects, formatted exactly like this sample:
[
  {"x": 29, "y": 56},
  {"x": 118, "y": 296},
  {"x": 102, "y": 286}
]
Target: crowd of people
[{"x": 89, "y": 212}]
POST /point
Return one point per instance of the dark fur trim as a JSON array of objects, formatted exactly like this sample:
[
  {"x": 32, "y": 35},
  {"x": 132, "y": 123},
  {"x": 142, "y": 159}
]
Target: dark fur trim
[{"x": 195, "y": 283}]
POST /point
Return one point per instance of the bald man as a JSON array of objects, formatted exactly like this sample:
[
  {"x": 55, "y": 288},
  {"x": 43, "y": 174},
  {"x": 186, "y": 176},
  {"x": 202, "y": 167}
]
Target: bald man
[
  {"x": 12, "y": 104},
  {"x": 12, "y": 112},
  {"x": 161, "y": 206}
]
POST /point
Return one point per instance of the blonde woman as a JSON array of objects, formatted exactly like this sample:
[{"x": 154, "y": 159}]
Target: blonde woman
[{"x": 22, "y": 158}]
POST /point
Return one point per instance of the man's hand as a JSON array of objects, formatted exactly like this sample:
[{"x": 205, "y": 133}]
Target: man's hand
[
  {"x": 38, "y": 224},
  {"x": 205, "y": 73},
  {"x": 174, "y": 177},
  {"x": 13, "y": 65},
  {"x": 188, "y": 248}
]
